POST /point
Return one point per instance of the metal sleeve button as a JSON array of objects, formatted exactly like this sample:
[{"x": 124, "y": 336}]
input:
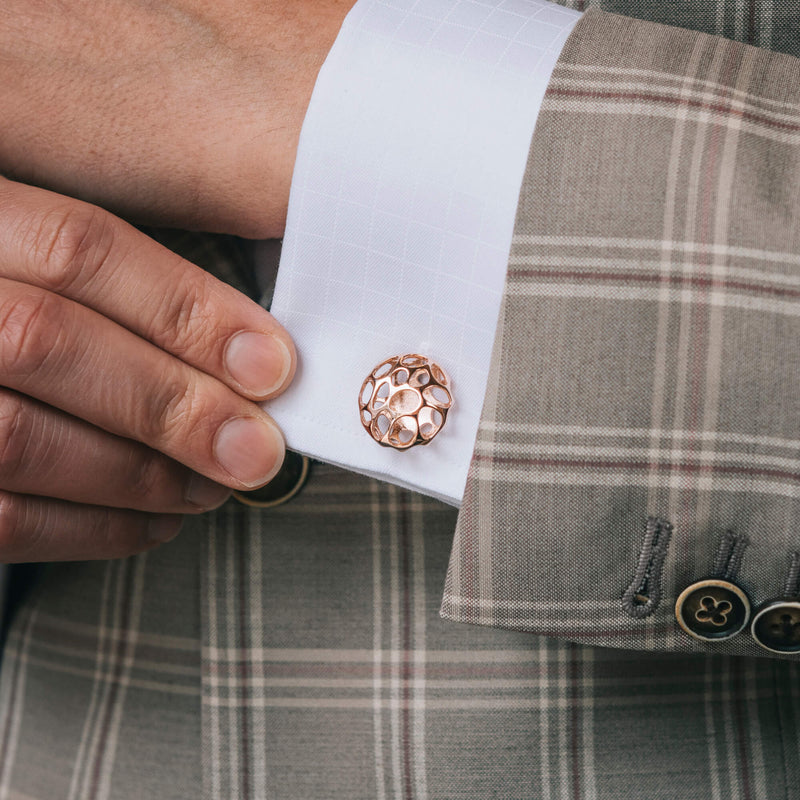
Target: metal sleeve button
[
  {"x": 712, "y": 610},
  {"x": 283, "y": 487},
  {"x": 776, "y": 626}
]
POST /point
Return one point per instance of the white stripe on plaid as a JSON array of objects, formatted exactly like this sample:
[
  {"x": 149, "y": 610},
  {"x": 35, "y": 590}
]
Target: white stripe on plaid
[
  {"x": 257, "y": 656},
  {"x": 777, "y": 131},
  {"x": 91, "y": 779},
  {"x": 733, "y": 755},
  {"x": 592, "y": 244},
  {"x": 588, "y": 735},
  {"x": 706, "y": 93},
  {"x": 649, "y": 453},
  {"x": 84, "y": 634},
  {"x": 545, "y": 747},
  {"x": 109, "y": 734},
  {"x": 689, "y": 84},
  {"x": 212, "y": 778},
  {"x": 55, "y": 666},
  {"x": 77, "y": 787},
  {"x": 394, "y": 702},
  {"x": 516, "y": 287},
  {"x": 11, "y": 719},
  {"x": 420, "y": 684},
  {"x": 759, "y": 279},
  {"x": 562, "y": 753},
  {"x": 569, "y": 475},
  {"x": 238, "y": 710},
  {"x": 256, "y": 601},
  {"x": 590, "y": 431},
  {"x": 377, "y": 645},
  {"x": 726, "y": 153}
]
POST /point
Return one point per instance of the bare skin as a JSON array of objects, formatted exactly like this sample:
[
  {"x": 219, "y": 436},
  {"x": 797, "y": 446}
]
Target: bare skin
[
  {"x": 128, "y": 377},
  {"x": 184, "y": 113}
]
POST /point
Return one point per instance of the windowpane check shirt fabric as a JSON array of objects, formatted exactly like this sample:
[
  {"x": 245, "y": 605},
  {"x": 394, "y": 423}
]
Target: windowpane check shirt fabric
[
  {"x": 298, "y": 652},
  {"x": 401, "y": 214}
]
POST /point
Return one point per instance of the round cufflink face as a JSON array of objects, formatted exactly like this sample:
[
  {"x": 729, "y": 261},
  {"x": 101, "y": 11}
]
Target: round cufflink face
[
  {"x": 712, "y": 610},
  {"x": 404, "y": 401},
  {"x": 776, "y": 626},
  {"x": 284, "y": 486}
]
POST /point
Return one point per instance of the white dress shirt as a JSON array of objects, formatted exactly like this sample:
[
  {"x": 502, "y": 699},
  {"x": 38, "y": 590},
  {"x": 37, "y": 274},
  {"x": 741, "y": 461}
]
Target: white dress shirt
[{"x": 401, "y": 214}]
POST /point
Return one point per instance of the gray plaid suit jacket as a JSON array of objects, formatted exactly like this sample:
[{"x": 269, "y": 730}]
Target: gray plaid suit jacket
[{"x": 646, "y": 365}]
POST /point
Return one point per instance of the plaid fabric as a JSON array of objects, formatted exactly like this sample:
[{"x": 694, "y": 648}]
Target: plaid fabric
[
  {"x": 771, "y": 24},
  {"x": 645, "y": 361},
  {"x": 298, "y": 653},
  {"x": 327, "y": 673},
  {"x": 100, "y": 683}
]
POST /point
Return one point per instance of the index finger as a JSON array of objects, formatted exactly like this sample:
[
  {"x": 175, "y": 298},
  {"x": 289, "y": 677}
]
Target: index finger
[{"x": 81, "y": 252}]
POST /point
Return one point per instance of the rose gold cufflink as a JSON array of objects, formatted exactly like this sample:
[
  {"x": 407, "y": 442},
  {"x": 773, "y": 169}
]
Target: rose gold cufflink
[{"x": 404, "y": 401}]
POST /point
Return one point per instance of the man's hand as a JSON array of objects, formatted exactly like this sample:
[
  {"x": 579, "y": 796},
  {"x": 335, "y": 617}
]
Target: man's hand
[
  {"x": 183, "y": 113},
  {"x": 130, "y": 377}
]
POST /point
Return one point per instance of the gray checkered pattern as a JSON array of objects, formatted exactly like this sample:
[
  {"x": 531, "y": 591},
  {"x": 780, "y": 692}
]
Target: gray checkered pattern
[{"x": 298, "y": 652}]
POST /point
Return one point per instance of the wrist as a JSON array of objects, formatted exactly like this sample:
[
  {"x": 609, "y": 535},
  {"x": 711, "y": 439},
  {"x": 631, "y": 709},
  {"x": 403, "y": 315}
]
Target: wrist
[
  {"x": 253, "y": 167},
  {"x": 190, "y": 119}
]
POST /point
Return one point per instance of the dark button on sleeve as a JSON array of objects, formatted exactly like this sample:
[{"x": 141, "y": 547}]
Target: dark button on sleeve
[
  {"x": 776, "y": 626},
  {"x": 284, "y": 486},
  {"x": 712, "y": 610}
]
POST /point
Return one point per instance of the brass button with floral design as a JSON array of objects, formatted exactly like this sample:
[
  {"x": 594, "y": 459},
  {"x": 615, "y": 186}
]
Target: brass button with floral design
[{"x": 712, "y": 610}]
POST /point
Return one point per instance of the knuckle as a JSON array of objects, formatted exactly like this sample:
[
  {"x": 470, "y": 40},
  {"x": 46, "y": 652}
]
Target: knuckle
[
  {"x": 30, "y": 325},
  {"x": 14, "y": 433},
  {"x": 186, "y": 323},
  {"x": 69, "y": 245},
  {"x": 169, "y": 413}
]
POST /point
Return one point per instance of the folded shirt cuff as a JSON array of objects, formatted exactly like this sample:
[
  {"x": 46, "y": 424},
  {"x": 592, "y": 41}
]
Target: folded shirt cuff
[{"x": 401, "y": 214}]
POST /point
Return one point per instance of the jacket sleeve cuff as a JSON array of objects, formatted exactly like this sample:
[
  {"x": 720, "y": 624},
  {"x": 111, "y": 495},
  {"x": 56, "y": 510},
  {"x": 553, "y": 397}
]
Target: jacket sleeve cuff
[{"x": 645, "y": 365}]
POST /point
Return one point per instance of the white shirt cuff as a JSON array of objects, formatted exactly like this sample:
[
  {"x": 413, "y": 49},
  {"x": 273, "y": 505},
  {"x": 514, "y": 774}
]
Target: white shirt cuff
[{"x": 401, "y": 214}]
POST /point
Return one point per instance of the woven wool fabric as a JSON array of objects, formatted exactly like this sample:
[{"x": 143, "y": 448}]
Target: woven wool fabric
[
  {"x": 646, "y": 361},
  {"x": 298, "y": 653}
]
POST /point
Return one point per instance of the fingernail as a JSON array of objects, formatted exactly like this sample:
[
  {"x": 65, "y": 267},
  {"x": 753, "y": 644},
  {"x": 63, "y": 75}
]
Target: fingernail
[
  {"x": 250, "y": 449},
  {"x": 163, "y": 528},
  {"x": 259, "y": 362},
  {"x": 205, "y": 493}
]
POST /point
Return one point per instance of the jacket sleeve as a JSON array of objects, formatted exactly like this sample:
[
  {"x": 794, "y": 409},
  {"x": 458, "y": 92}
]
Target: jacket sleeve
[{"x": 640, "y": 427}]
